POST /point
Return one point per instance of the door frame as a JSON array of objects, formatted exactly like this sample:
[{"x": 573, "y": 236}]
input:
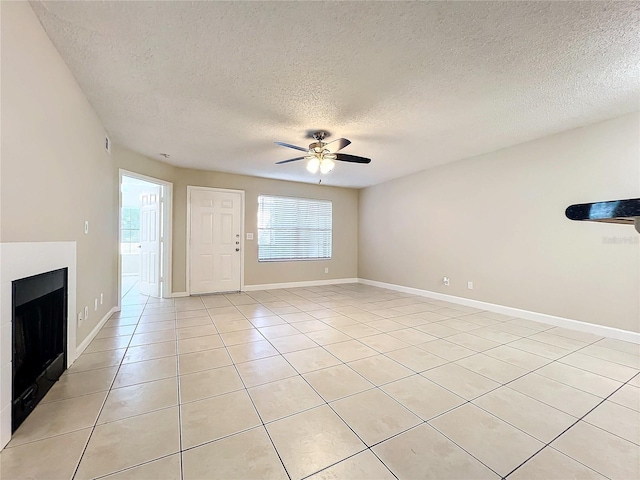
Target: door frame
[
  {"x": 166, "y": 231},
  {"x": 191, "y": 188}
]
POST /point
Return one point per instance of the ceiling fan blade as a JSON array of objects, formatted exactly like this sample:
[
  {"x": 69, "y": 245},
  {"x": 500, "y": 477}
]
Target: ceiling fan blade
[
  {"x": 343, "y": 157},
  {"x": 337, "y": 145},
  {"x": 290, "y": 160},
  {"x": 288, "y": 145}
]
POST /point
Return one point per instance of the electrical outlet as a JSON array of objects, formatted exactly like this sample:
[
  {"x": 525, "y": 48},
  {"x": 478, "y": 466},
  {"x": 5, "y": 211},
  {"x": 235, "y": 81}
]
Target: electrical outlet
[
  {"x": 95, "y": 305},
  {"x": 249, "y": 236},
  {"x": 101, "y": 298},
  {"x": 470, "y": 285},
  {"x": 326, "y": 270},
  {"x": 86, "y": 313},
  {"x": 446, "y": 281}
]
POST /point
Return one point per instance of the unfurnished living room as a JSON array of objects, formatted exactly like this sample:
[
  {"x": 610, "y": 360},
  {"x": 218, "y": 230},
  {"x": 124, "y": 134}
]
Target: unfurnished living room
[{"x": 328, "y": 240}]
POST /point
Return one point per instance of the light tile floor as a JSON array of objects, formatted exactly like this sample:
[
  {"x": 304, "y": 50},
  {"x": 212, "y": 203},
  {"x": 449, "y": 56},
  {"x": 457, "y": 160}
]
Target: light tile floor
[{"x": 345, "y": 381}]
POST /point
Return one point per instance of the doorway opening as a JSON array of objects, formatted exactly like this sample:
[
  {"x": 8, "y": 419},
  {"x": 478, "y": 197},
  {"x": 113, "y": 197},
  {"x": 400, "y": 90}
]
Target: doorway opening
[{"x": 145, "y": 231}]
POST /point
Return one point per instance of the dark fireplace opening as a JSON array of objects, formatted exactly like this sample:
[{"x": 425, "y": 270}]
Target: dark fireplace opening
[{"x": 39, "y": 339}]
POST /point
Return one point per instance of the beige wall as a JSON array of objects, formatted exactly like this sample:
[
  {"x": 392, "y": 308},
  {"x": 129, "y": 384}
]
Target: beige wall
[
  {"x": 127, "y": 160},
  {"x": 344, "y": 262},
  {"x": 55, "y": 173},
  {"x": 498, "y": 220}
]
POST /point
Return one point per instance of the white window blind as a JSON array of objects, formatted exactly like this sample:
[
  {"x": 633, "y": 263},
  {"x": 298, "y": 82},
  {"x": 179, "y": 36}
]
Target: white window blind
[{"x": 293, "y": 228}]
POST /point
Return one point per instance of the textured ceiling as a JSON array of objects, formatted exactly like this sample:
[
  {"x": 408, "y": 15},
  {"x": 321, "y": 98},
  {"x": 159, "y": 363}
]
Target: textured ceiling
[{"x": 412, "y": 85}]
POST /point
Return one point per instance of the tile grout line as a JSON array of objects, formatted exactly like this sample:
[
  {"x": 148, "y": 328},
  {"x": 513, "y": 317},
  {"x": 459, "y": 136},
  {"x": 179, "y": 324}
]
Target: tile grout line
[
  {"x": 329, "y": 404},
  {"x": 505, "y": 384},
  {"x": 513, "y": 426},
  {"x": 126, "y": 469},
  {"x": 157, "y": 410},
  {"x": 95, "y": 423},
  {"x": 565, "y": 384},
  {"x": 255, "y": 408},
  {"x": 548, "y": 444},
  {"x": 132, "y": 416},
  {"x": 523, "y": 375},
  {"x": 180, "y": 443},
  {"x": 463, "y": 404},
  {"x": 578, "y": 418},
  {"x": 311, "y": 386},
  {"x": 164, "y": 408},
  {"x": 317, "y": 406}
]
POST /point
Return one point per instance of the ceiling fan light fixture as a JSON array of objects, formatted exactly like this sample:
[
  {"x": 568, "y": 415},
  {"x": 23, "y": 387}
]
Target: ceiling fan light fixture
[
  {"x": 322, "y": 156},
  {"x": 326, "y": 165},
  {"x": 313, "y": 164}
]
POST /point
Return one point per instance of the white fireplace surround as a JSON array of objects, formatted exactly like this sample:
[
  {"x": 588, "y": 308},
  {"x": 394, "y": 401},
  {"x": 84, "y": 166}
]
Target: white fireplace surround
[{"x": 20, "y": 260}]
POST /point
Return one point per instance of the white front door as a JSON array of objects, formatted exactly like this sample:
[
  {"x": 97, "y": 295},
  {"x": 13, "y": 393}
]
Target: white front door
[
  {"x": 215, "y": 236},
  {"x": 150, "y": 257}
]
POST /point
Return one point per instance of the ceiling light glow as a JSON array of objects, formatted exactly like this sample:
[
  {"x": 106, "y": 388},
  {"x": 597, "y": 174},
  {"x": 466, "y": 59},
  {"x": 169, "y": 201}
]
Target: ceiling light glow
[
  {"x": 313, "y": 165},
  {"x": 326, "y": 165}
]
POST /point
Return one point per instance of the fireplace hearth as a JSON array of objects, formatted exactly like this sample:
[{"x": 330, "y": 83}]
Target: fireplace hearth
[{"x": 39, "y": 339}]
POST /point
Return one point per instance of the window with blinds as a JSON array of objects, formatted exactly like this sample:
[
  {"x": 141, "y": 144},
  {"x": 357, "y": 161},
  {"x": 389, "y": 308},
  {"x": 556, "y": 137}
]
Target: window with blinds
[{"x": 293, "y": 228}]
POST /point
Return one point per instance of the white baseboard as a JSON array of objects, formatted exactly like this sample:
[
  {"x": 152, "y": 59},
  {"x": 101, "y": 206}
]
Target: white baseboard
[
  {"x": 312, "y": 283},
  {"x": 600, "y": 330},
  {"x": 85, "y": 343},
  {"x": 179, "y": 294}
]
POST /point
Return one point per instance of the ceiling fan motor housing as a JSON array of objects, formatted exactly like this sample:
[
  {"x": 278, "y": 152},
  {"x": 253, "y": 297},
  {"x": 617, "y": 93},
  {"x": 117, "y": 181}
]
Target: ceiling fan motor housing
[
  {"x": 320, "y": 136},
  {"x": 317, "y": 147}
]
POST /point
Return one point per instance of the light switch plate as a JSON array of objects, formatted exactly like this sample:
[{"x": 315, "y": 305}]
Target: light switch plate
[
  {"x": 86, "y": 226},
  {"x": 249, "y": 236}
]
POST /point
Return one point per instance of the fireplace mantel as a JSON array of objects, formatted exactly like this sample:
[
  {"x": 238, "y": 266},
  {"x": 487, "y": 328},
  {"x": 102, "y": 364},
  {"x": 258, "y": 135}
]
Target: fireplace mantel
[{"x": 19, "y": 260}]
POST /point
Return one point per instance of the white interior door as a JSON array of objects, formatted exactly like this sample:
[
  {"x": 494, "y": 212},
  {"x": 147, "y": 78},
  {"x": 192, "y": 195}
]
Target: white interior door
[
  {"x": 150, "y": 257},
  {"x": 215, "y": 241}
]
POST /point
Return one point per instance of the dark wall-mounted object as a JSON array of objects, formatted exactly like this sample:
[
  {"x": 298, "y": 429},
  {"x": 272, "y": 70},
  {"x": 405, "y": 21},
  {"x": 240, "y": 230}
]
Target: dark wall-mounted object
[{"x": 612, "y": 211}]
